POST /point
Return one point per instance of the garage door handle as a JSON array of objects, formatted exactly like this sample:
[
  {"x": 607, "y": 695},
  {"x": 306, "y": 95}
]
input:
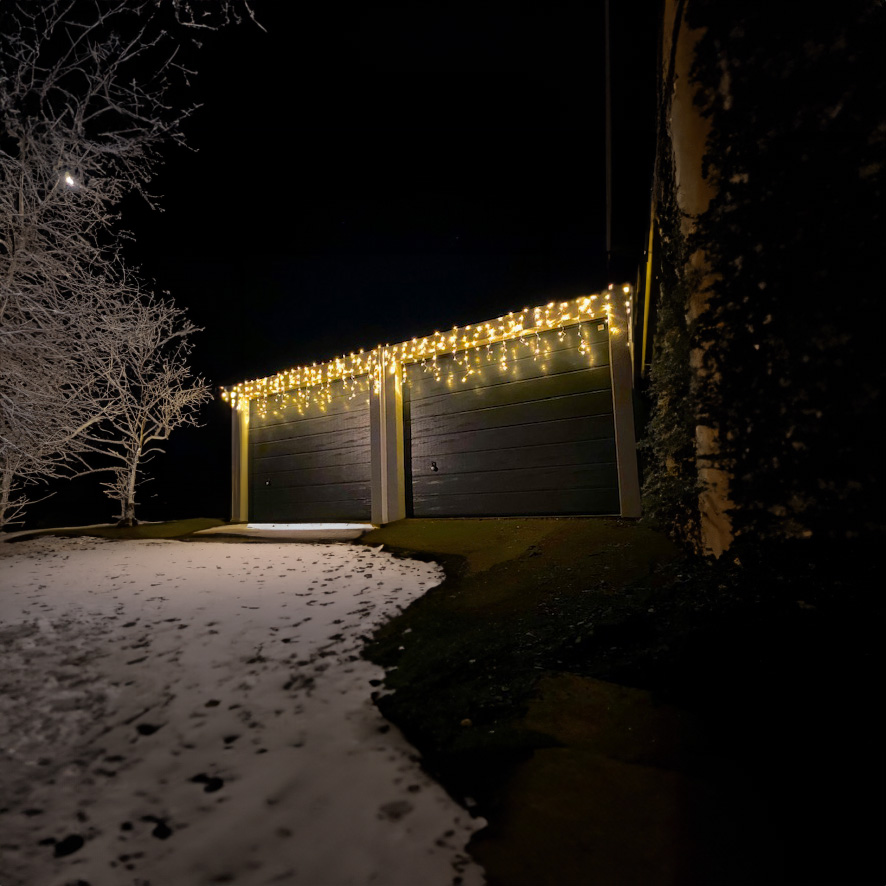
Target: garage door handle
[{"x": 434, "y": 467}]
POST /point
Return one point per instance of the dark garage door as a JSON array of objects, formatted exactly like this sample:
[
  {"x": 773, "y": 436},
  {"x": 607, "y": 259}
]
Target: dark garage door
[
  {"x": 531, "y": 436},
  {"x": 312, "y": 466}
]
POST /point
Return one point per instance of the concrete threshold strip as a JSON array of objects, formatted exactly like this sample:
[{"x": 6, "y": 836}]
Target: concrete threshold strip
[{"x": 294, "y": 531}]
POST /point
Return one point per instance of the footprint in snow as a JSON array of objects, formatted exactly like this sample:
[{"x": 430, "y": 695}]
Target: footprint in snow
[
  {"x": 162, "y": 831},
  {"x": 211, "y": 784},
  {"x": 395, "y": 811},
  {"x": 147, "y": 728},
  {"x": 67, "y": 846}
]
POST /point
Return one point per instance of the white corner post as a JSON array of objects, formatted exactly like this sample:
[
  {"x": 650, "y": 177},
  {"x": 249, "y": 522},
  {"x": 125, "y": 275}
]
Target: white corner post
[
  {"x": 388, "y": 480},
  {"x": 623, "y": 405},
  {"x": 240, "y": 462}
]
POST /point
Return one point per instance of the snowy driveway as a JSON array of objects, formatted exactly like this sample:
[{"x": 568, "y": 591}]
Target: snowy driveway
[{"x": 185, "y": 713}]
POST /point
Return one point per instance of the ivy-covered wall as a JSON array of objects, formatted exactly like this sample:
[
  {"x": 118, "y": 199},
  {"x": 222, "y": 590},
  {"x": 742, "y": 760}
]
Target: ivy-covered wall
[{"x": 785, "y": 360}]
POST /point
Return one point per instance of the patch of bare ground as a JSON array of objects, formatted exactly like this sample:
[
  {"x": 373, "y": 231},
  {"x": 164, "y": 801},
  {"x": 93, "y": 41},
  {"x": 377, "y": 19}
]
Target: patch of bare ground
[{"x": 622, "y": 714}]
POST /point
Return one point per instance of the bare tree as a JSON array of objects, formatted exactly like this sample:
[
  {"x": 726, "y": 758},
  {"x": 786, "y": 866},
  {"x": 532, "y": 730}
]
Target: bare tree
[
  {"x": 146, "y": 390},
  {"x": 89, "y": 91},
  {"x": 50, "y": 394}
]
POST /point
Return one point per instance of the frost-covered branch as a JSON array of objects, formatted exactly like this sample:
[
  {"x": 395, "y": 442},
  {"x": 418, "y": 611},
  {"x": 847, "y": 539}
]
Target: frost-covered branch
[
  {"x": 148, "y": 390},
  {"x": 89, "y": 92}
]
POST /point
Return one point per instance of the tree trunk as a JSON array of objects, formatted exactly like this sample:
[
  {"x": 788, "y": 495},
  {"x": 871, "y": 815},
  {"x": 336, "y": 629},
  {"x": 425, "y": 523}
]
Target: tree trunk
[
  {"x": 128, "y": 513},
  {"x": 5, "y": 494},
  {"x": 689, "y": 128},
  {"x": 127, "y": 504}
]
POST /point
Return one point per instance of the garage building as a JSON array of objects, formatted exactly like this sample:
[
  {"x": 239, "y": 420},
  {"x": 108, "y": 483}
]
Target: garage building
[{"x": 528, "y": 414}]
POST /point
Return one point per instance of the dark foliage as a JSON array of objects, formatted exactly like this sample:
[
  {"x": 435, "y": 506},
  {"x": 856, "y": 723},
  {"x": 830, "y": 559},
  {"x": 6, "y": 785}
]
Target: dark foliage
[
  {"x": 795, "y": 234},
  {"x": 670, "y": 490}
]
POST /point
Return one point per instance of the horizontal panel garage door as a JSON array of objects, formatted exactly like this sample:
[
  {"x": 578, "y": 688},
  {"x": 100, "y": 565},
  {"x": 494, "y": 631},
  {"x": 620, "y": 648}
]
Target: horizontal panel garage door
[
  {"x": 309, "y": 455},
  {"x": 514, "y": 429}
]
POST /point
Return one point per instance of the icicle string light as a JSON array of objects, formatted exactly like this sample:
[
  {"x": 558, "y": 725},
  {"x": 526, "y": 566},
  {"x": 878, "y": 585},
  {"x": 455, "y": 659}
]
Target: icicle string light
[{"x": 311, "y": 385}]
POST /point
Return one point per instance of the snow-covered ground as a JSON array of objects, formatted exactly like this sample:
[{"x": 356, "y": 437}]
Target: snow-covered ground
[{"x": 184, "y": 713}]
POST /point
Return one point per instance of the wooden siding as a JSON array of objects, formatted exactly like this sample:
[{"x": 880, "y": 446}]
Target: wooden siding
[
  {"x": 536, "y": 437},
  {"x": 313, "y": 466}
]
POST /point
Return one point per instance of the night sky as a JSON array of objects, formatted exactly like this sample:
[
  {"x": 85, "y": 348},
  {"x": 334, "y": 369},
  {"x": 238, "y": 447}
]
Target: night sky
[
  {"x": 361, "y": 178},
  {"x": 365, "y": 176}
]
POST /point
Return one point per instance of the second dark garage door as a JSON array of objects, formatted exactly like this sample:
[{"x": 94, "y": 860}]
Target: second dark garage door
[{"x": 516, "y": 429}]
